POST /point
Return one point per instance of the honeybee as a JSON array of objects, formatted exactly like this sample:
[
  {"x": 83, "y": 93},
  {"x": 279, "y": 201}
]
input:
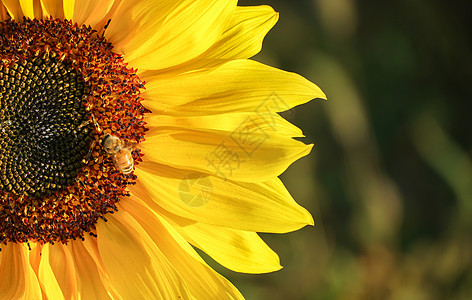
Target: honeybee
[{"x": 121, "y": 152}]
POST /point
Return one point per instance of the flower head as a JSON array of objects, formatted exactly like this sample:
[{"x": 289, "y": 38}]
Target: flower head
[{"x": 131, "y": 130}]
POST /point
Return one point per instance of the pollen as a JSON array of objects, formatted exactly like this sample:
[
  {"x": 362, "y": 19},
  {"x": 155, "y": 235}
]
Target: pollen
[{"x": 62, "y": 90}]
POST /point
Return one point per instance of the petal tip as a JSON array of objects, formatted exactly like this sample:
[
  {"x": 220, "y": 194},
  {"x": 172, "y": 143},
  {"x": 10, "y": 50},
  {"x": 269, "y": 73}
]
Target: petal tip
[{"x": 311, "y": 222}]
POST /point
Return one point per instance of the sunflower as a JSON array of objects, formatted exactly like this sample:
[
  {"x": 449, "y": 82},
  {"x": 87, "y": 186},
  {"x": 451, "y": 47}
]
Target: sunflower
[{"x": 132, "y": 132}]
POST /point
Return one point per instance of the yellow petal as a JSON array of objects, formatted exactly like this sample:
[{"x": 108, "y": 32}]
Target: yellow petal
[
  {"x": 237, "y": 250},
  {"x": 271, "y": 123},
  {"x": 52, "y": 8},
  {"x": 19, "y": 8},
  {"x": 89, "y": 281},
  {"x": 27, "y": 7},
  {"x": 202, "y": 281},
  {"x": 244, "y": 35},
  {"x": 186, "y": 29},
  {"x": 134, "y": 264},
  {"x": 14, "y": 8},
  {"x": 68, "y": 6},
  {"x": 3, "y": 13},
  {"x": 91, "y": 12},
  {"x": 236, "y": 86},
  {"x": 34, "y": 255},
  {"x": 247, "y": 154},
  {"x": 62, "y": 264},
  {"x": 70, "y": 270},
  {"x": 260, "y": 207},
  {"x": 242, "y": 38},
  {"x": 128, "y": 17},
  {"x": 47, "y": 278},
  {"x": 33, "y": 289},
  {"x": 91, "y": 245},
  {"x": 38, "y": 11},
  {"x": 17, "y": 278}
]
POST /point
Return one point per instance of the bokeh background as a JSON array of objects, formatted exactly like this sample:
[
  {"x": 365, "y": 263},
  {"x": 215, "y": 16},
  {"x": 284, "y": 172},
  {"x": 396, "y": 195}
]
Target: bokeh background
[{"x": 389, "y": 181}]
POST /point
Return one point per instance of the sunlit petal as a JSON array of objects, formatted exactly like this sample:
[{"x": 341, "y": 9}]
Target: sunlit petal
[
  {"x": 262, "y": 207},
  {"x": 237, "y": 86}
]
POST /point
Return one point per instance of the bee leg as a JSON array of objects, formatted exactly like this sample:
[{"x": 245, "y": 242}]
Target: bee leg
[
  {"x": 83, "y": 124},
  {"x": 95, "y": 123},
  {"x": 89, "y": 154}
]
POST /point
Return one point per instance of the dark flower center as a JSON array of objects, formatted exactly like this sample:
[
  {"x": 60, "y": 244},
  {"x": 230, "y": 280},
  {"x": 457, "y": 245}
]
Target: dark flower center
[
  {"x": 44, "y": 132},
  {"x": 62, "y": 91}
]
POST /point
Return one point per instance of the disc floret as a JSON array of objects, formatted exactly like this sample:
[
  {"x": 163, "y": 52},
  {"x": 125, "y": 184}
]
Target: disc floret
[{"x": 73, "y": 90}]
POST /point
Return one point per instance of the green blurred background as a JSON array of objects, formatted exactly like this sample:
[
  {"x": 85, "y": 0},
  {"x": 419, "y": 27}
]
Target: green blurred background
[{"x": 389, "y": 181}]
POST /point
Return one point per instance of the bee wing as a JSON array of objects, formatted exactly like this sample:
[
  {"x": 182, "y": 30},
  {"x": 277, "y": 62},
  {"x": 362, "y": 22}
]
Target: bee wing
[{"x": 129, "y": 145}]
